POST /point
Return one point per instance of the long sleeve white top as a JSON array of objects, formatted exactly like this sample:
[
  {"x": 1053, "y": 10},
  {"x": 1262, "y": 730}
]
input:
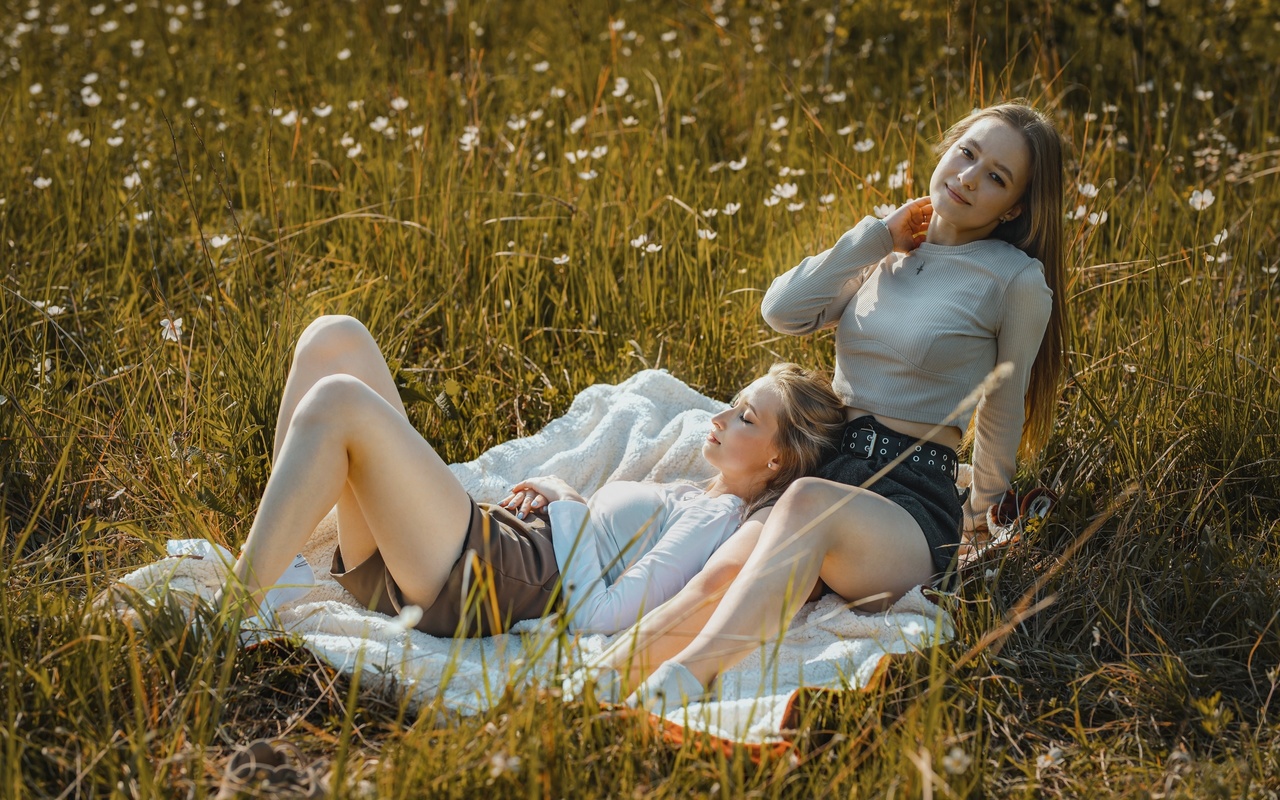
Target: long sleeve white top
[
  {"x": 917, "y": 332},
  {"x": 633, "y": 545}
]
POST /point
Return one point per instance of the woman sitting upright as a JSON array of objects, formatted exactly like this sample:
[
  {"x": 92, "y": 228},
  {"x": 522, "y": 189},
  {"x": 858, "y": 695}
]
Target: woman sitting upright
[{"x": 925, "y": 305}]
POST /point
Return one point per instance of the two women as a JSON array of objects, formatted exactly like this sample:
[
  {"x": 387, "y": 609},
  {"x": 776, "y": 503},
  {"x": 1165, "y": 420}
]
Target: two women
[
  {"x": 408, "y": 533},
  {"x": 925, "y": 304}
]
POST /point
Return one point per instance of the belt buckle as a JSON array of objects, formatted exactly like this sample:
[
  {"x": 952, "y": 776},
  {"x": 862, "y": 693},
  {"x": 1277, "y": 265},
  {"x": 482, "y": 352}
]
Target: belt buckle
[{"x": 868, "y": 443}]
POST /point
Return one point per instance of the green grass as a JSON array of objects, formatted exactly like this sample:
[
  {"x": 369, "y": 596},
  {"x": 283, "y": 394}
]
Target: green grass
[{"x": 1151, "y": 669}]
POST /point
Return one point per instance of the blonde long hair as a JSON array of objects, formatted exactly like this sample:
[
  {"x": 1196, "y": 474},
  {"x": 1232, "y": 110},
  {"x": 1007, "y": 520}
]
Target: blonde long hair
[
  {"x": 1037, "y": 231},
  {"x": 810, "y": 419}
]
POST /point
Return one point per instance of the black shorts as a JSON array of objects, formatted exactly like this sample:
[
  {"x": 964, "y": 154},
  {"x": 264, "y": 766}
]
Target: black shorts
[{"x": 927, "y": 493}]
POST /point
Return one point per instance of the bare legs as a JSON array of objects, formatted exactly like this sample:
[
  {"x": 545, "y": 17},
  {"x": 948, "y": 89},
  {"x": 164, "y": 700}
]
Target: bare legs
[
  {"x": 867, "y": 549},
  {"x": 343, "y": 438}
]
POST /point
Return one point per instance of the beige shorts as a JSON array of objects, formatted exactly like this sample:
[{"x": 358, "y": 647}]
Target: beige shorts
[{"x": 506, "y": 572}]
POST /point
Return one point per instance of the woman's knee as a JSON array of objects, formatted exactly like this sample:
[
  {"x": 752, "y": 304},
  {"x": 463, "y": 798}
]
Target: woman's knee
[
  {"x": 332, "y": 336},
  {"x": 333, "y": 401},
  {"x": 809, "y": 498}
]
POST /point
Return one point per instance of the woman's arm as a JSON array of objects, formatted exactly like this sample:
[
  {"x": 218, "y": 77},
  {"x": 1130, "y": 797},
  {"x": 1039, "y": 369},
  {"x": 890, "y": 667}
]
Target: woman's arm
[
  {"x": 1001, "y": 413},
  {"x": 669, "y": 628},
  {"x": 814, "y": 294},
  {"x": 675, "y": 559}
]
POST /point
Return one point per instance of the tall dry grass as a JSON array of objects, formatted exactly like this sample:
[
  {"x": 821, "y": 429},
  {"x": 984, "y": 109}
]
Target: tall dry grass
[{"x": 223, "y": 164}]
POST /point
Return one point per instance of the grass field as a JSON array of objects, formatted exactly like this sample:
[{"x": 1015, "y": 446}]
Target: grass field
[{"x": 522, "y": 199}]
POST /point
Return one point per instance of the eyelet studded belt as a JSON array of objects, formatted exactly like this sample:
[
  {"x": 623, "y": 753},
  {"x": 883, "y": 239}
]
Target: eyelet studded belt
[{"x": 862, "y": 440}]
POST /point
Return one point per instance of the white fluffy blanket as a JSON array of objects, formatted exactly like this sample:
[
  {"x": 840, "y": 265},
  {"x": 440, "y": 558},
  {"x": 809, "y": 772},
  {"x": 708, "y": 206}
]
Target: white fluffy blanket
[{"x": 650, "y": 427}]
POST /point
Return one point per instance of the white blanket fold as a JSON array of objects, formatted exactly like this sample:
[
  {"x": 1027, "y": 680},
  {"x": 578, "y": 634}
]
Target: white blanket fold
[{"x": 650, "y": 427}]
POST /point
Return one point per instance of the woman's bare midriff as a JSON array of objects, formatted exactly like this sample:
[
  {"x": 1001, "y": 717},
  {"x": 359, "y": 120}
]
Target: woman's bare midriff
[{"x": 947, "y": 437}]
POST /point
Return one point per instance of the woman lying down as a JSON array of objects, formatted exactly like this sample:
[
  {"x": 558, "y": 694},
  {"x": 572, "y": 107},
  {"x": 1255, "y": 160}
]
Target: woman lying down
[{"x": 410, "y": 535}]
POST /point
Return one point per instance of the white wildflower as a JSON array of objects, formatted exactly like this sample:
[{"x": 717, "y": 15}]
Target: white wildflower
[
  {"x": 704, "y": 233},
  {"x": 652, "y": 247},
  {"x": 557, "y": 92},
  {"x": 408, "y": 617},
  {"x": 710, "y": 212},
  {"x": 115, "y": 141},
  {"x": 133, "y": 180},
  {"x": 628, "y": 122},
  {"x": 1201, "y": 200},
  {"x": 542, "y": 66},
  {"x": 1220, "y": 238},
  {"x": 219, "y": 241},
  {"x": 863, "y": 146},
  {"x": 1097, "y": 217},
  {"x": 470, "y": 138},
  {"x": 794, "y": 207},
  {"x": 322, "y": 110},
  {"x": 620, "y": 87},
  {"x": 578, "y": 124},
  {"x": 640, "y": 241},
  {"x": 1050, "y": 758},
  {"x": 42, "y": 182},
  {"x": 289, "y": 119},
  {"x": 600, "y": 151},
  {"x": 785, "y": 190},
  {"x": 561, "y": 259},
  {"x": 1088, "y": 190},
  {"x": 731, "y": 209},
  {"x": 845, "y": 131},
  {"x": 883, "y": 211},
  {"x": 500, "y": 763},
  {"x": 352, "y": 152},
  {"x": 344, "y": 54},
  {"x": 737, "y": 166},
  {"x": 956, "y": 761},
  {"x": 827, "y": 199},
  {"x": 1202, "y": 94},
  {"x": 35, "y": 89},
  {"x": 399, "y": 103},
  {"x": 778, "y": 124},
  {"x": 590, "y": 174},
  {"x": 171, "y": 329},
  {"x": 772, "y": 200},
  {"x": 379, "y": 124}
]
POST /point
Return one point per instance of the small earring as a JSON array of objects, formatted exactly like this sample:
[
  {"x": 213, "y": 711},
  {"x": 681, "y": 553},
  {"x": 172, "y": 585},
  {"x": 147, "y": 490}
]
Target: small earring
[{"x": 772, "y": 465}]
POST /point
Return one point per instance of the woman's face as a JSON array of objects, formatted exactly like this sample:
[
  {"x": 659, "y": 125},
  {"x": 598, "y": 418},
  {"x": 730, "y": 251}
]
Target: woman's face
[
  {"x": 741, "y": 441},
  {"x": 979, "y": 181}
]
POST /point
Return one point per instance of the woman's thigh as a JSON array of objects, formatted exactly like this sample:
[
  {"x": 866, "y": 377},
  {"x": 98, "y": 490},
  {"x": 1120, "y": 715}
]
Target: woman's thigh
[
  {"x": 874, "y": 549},
  {"x": 416, "y": 511}
]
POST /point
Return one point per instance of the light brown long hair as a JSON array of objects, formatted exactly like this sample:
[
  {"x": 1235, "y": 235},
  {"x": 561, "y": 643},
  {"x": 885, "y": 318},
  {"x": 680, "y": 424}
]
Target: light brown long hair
[
  {"x": 810, "y": 418},
  {"x": 1037, "y": 231}
]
